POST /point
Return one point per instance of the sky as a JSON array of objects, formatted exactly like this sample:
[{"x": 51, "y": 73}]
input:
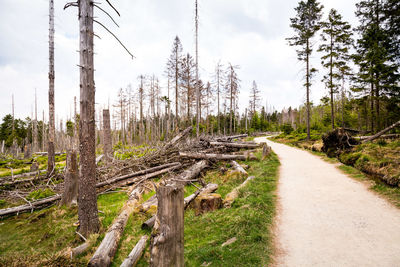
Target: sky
[{"x": 248, "y": 33}]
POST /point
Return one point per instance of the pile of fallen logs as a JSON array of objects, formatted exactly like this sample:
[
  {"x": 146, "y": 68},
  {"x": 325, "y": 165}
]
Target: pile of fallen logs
[{"x": 172, "y": 159}]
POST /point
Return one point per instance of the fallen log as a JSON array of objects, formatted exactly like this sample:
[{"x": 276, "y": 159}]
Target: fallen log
[
  {"x": 229, "y": 138},
  {"x": 80, "y": 249},
  {"x": 373, "y": 137},
  {"x": 178, "y": 137},
  {"x": 22, "y": 175},
  {"x": 146, "y": 171},
  {"x": 136, "y": 253},
  {"x": 33, "y": 205},
  {"x": 384, "y": 136},
  {"x": 108, "y": 246},
  {"x": 195, "y": 155},
  {"x": 229, "y": 198},
  {"x": 238, "y": 168},
  {"x": 235, "y": 145},
  {"x": 140, "y": 179},
  {"x": 184, "y": 177}
]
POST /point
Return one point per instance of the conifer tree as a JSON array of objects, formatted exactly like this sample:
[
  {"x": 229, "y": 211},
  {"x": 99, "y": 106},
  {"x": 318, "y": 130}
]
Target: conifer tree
[
  {"x": 306, "y": 23},
  {"x": 336, "y": 36}
]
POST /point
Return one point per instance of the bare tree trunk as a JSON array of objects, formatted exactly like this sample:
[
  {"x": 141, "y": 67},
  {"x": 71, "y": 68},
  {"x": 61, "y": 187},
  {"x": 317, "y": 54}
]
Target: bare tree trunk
[
  {"x": 51, "y": 155},
  {"x": 87, "y": 208},
  {"x": 70, "y": 194},
  {"x": 167, "y": 244},
  {"x": 308, "y": 91},
  {"x": 107, "y": 135},
  {"x": 197, "y": 73}
]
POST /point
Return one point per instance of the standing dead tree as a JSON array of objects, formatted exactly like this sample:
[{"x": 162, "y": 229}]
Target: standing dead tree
[
  {"x": 51, "y": 146},
  {"x": 107, "y": 135},
  {"x": 87, "y": 200}
]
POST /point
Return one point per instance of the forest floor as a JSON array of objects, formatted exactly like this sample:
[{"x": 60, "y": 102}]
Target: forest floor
[
  {"x": 325, "y": 218},
  {"x": 44, "y": 237}
]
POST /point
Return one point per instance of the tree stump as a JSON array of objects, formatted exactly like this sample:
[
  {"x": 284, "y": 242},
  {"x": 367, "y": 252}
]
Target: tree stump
[
  {"x": 166, "y": 248},
  {"x": 266, "y": 151},
  {"x": 34, "y": 167},
  {"x": 207, "y": 202},
  {"x": 27, "y": 151},
  {"x": 70, "y": 194}
]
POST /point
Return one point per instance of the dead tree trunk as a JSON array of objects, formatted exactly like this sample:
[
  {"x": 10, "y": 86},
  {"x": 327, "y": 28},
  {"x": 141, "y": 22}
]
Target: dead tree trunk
[
  {"x": 70, "y": 194},
  {"x": 236, "y": 145},
  {"x": 229, "y": 198},
  {"x": 108, "y": 246},
  {"x": 51, "y": 155},
  {"x": 166, "y": 247},
  {"x": 136, "y": 253},
  {"x": 238, "y": 168},
  {"x": 195, "y": 155},
  {"x": 87, "y": 200},
  {"x": 107, "y": 135},
  {"x": 394, "y": 125}
]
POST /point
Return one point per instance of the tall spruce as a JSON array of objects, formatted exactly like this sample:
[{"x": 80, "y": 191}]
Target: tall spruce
[
  {"x": 254, "y": 101},
  {"x": 336, "y": 36},
  {"x": 188, "y": 84},
  {"x": 376, "y": 63},
  {"x": 306, "y": 24}
]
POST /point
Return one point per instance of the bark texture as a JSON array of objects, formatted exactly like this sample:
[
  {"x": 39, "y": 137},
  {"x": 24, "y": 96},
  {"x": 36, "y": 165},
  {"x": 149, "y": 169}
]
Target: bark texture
[
  {"x": 136, "y": 253},
  {"x": 87, "y": 200},
  {"x": 167, "y": 244},
  {"x": 107, "y": 135},
  {"x": 50, "y": 148},
  {"x": 70, "y": 195}
]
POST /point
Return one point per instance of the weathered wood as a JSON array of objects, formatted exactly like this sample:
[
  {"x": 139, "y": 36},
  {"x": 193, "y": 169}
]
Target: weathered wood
[
  {"x": 145, "y": 177},
  {"x": 153, "y": 172},
  {"x": 229, "y": 138},
  {"x": 235, "y": 145},
  {"x": 51, "y": 137},
  {"x": 28, "y": 207},
  {"x": 80, "y": 249},
  {"x": 178, "y": 137},
  {"x": 266, "y": 151},
  {"x": 192, "y": 172},
  {"x": 207, "y": 202},
  {"x": 238, "y": 168},
  {"x": 166, "y": 247},
  {"x": 108, "y": 246},
  {"x": 70, "y": 195},
  {"x": 229, "y": 198},
  {"x": 107, "y": 142},
  {"x": 373, "y": 137},
  {"x": 210, "y": 156},
  {"x": 136, "y": 253},
  {"x": 99, "y": 158},
  {"x": 383, "y": 136},
  {"x": 87, "y": 198},
  {"x": 209, "y": 188}
]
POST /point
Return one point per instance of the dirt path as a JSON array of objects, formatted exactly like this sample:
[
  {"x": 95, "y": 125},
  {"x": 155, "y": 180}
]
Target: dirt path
[{"x": 328, "y": 219}]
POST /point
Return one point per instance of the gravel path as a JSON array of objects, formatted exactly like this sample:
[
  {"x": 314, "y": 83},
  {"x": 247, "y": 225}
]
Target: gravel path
[{"x": 326, "y": 218}]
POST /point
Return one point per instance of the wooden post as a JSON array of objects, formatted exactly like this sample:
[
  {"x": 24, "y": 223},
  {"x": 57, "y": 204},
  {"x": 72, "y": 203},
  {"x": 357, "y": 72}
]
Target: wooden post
[
  {"x": 70, "y": 194},
  {"x": 107, "y": 142},
  {"x": 166, "y": 247}
]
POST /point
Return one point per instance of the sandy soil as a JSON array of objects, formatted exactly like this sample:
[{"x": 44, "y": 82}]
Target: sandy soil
[{"x": 328, "y": 219}]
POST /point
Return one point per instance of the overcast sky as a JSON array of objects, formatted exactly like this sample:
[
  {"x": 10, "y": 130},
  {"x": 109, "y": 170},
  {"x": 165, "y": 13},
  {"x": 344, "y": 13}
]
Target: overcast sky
[{"x": 248, "y": 33}]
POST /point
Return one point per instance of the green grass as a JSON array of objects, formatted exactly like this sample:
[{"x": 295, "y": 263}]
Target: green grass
[
  {"x": 249, "y": 220},
  {"x": 40, "y": 238}
]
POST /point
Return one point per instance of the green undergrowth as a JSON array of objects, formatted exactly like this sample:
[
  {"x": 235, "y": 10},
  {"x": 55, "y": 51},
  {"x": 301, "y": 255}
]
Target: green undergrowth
[
  {"x": 249, "y": 220},
  {"x": 42, "y": 237}
]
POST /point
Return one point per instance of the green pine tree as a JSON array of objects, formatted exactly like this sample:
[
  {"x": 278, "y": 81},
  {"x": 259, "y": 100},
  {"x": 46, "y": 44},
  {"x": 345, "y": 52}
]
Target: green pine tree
[
  {"x": 306, "y": 24},
  {"x": 336, "y": 36}
]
